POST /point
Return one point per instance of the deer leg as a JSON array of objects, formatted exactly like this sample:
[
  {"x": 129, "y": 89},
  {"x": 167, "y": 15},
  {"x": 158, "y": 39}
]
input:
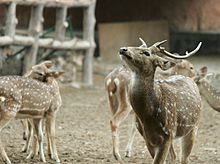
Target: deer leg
[
  {"x": 50, "y": 128},
  {"x": 5, "y": 118},
  {"x": 131, "y": 137},
  {"x": 187, "y": 145},
  {"x": 171, "y": 158},
  {"x": 40, "y": 139},
  {"x": 49, "y": 147},
  {"x": 24, "y": 123},
  {"x": 162, "y": 152},
  {"x": 35, "y": 146},
  {"x": 26, "y": 147},
  {"x": 38, "y": 127},
  {"x": 113, "y": 103},
  {"x": 119, "y": 116},
  {"x": 139, "y": 126}
]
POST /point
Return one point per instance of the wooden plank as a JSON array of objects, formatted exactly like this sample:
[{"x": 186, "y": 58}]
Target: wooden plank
[
  {"x": 74, "y": 44},
  {"x": 89, "y": 34},
  {"x": 5, "y": 40}
]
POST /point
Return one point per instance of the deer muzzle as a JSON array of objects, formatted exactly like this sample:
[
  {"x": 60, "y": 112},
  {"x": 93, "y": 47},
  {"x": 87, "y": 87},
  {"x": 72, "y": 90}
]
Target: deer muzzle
[{"x": 124, "y": 52}]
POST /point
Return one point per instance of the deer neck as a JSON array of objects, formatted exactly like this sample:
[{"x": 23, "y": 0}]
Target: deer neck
[
  {"x": 211, "y": 94},
  {"x": 143, "y": 95}
]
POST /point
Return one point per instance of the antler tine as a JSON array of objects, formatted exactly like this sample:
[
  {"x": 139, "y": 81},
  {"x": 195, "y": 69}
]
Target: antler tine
[
  {"x": 156, "y": 47},
  {"x": 162, "y": 50},
  {"x": 194, "y": 51},
  {"x": 143, "y": 42},
  {"x": 157, "y": 44}
]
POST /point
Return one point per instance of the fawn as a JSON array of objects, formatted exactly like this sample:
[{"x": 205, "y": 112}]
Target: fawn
[
  {"x": 23, "y": 97},
  {"x": 165, "y": 109},
  {"x": 38, "y": 72}
]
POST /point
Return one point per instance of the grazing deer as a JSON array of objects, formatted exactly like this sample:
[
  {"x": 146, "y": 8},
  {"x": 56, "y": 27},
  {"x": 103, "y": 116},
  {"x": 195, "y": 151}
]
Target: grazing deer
[
  {"x": 23, "y": 97},
  {"x": 210, "y": 93},
  {"x": 166, "y": 109},
  {"x": 117, "y": 84}
]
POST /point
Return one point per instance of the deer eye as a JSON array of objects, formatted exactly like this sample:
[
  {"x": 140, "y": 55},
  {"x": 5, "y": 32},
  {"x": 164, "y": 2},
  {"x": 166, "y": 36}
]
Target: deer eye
[
  {"x": 146, "y": 53},
  {"x": 191, "y": 67},
  {"x": 40, "y": 74}
]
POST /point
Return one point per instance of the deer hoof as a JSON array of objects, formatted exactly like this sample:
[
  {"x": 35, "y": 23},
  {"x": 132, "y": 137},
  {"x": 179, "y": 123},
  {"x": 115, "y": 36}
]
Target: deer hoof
[
  {"x": 24, "y": 136},
  {"x": 7, "y": 161},
  {"x": 117, "y": 156},
  {"x": 30, "y": 156},
  {"x": 51, "y": 157},
  {"x": 43, "y": 159},
  {"x": 128, "y": 154},
  {"x": 24, "y": 149}
]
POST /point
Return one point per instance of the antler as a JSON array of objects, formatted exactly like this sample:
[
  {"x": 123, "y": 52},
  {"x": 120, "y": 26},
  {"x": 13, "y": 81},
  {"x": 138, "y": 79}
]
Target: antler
[
  {"x": 156, "y": 46},
  {"x": 162, "y": 50},
  {"x": 143, "y": 43}
]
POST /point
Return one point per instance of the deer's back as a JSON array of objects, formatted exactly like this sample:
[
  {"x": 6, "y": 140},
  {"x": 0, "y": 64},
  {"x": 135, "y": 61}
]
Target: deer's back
[
  {"x": 180, "y": 102},
  {"x": 119, "y": 77},
  {"x": 28, "y": 93}
]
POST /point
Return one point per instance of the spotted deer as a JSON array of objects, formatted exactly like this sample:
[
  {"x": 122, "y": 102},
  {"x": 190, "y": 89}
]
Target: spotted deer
[
  {"x": 165, "y": 109},
  {"x": 38, "y": 72},
  {"x": 23, "y": 97},
  {"x": 117, "y": 83},
  {"x": 210, "y": 93}
]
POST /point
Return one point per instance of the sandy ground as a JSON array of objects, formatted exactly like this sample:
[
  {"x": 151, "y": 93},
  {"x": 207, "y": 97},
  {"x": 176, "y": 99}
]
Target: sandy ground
[{"x": 83, "y": 130}]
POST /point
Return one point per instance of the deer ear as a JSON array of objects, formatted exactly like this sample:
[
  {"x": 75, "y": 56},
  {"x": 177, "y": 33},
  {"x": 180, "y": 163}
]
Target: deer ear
[
  {"x": 204, "y": 70},
  {"x": 47, "y": 63},
  {"x": 58, "y": 74}
]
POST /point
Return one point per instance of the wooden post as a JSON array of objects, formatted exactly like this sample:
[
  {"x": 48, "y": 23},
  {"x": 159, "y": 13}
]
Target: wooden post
[
  {"x": 89, "y": 34},
  {"x": 61, "y": 23},
  {"x": 11, "y": 20},
  {"x": 35, "y": 28},
  {"x": 10, "y": 25}
]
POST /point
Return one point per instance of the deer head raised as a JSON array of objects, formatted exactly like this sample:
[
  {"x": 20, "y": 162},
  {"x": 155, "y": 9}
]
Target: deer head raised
[{"x": 164, "y": 109}]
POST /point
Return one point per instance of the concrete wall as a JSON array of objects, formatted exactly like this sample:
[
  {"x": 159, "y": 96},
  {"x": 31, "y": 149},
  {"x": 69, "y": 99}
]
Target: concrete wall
[
  {"x": 182, "y": 15},
  {"x": 112, "y": 36}
]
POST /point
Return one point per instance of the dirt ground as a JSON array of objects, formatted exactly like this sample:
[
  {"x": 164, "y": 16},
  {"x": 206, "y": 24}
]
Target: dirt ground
[{"x": 83, "y": 130}]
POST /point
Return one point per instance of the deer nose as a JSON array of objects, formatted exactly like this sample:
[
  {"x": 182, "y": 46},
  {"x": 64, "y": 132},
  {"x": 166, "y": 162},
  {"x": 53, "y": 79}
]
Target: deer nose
[{"x": 123, "y": 50}]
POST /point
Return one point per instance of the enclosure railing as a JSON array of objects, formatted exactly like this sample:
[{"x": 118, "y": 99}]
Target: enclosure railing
[{"x": 33, "y": 41}]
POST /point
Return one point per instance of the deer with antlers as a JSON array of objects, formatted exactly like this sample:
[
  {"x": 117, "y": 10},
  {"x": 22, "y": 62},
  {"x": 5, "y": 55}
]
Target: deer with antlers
[
  {"x": 166, "y": 109},
  {"x": 23, "y": 97},
  {"x": 117, "y": 83}
]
